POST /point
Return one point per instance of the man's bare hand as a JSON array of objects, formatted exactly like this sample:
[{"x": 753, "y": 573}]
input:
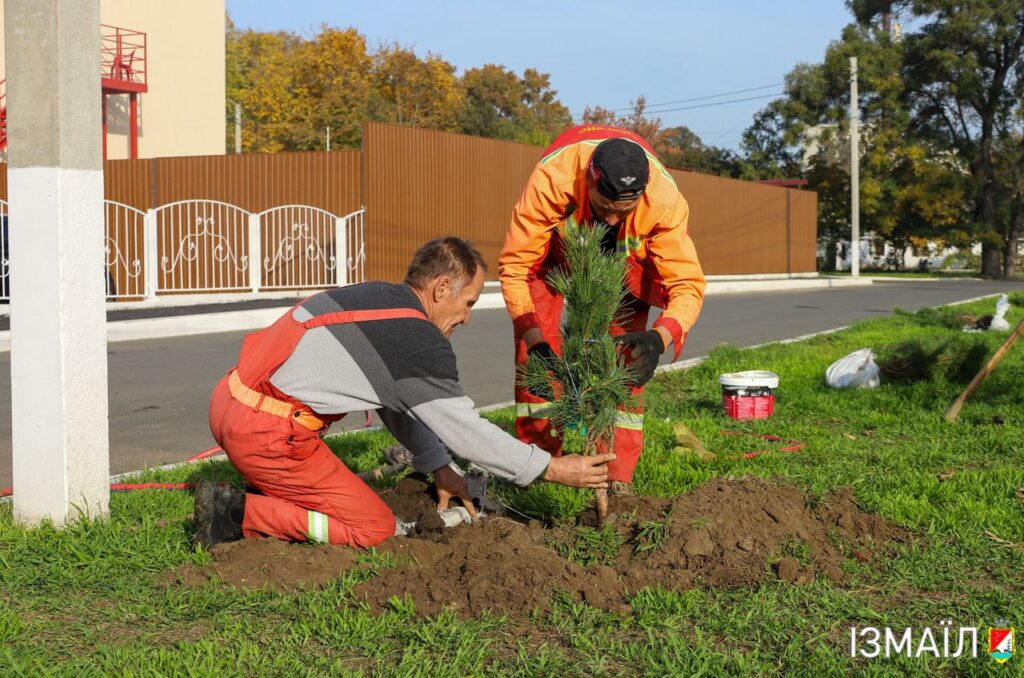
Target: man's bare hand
[
  {"x": 576, "y": 470},
  {"x": 450, "y": 484}
]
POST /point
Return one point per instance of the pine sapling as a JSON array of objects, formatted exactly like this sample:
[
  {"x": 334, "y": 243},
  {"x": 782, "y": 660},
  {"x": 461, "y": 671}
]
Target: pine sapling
[{"x": 589, "y": 381}]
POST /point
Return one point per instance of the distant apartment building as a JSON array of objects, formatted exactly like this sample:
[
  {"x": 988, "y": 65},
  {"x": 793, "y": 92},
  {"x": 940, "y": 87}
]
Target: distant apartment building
[{"x": 164, "y": 62}]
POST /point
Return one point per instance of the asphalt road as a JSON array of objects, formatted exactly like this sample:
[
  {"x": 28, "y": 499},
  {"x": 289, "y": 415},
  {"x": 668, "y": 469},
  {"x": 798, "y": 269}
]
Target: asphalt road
[{"x": 159, "y": 388}]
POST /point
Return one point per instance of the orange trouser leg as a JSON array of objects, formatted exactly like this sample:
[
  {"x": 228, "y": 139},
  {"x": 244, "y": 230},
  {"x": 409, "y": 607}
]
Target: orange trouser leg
[
  {"x": 629, "y": 439},
  {"x": 308, "y": 494},
  {"x": 532, "y": 425}
]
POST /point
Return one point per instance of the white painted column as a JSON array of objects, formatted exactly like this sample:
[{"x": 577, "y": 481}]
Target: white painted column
[
  {"x": 150, "y": 252},
  {"x": 58, "y": 324},
  {"x": 341, "y": 251},
  {"x": 255, "y": 254}
]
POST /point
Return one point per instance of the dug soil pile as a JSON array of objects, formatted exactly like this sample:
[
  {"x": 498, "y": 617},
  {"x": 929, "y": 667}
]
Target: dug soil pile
[
  {"x": 728, "y": 532},
  {"x": 255, "y": 563}
]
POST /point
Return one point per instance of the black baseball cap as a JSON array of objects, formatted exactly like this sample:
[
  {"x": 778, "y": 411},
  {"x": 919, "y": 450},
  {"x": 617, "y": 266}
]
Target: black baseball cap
[{"x": 619, "y": 169}]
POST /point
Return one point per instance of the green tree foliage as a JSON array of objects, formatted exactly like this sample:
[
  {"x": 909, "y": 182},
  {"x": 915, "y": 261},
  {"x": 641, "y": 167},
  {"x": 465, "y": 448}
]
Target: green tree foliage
[
  {"x": 1009, "y": 168},
  {"x": 590, "y": 372},
  {"x": 592, "y": 380},
  {"x": 933, "y": 101},
  {"x": 501, "y": 105},
  {"x": 965, "y": 69}
]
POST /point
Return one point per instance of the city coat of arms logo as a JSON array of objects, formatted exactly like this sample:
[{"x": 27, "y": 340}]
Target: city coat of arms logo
[{"x": 1000, "y": 644}]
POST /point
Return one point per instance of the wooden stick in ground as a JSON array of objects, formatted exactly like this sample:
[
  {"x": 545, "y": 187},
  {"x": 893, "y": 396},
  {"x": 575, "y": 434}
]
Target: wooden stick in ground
[{"x": 983, "y": 373}]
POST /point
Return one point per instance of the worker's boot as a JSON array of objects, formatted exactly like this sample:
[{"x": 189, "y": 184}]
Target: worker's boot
[{"x": 218, "y": 513}]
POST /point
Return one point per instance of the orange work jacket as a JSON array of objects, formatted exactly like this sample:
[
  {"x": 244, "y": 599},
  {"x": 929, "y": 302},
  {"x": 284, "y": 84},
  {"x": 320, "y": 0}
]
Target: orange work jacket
[{"x": 662, "y": 266}]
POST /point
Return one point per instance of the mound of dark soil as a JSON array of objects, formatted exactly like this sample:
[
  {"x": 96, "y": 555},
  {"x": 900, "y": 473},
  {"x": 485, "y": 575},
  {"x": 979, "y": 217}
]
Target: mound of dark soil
[
  {"x": 255, "y": 563},
  {"x": 497, "y": 565},
  {"x": 728, "y": 532},
  {"x": 739, "y": 532}
]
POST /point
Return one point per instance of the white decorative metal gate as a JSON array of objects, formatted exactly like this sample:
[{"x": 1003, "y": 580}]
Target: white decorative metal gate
[
  {"x": 300, "y": 247},
  {"x": 212, "y": 246},
  {"x": 201, "y": 246},
  {"x": 5, "y": 276},
  {"x": 125, "y": 247}
]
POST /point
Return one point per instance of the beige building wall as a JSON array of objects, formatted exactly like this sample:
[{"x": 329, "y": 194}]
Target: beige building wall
[{"x": 183, "y": 112}]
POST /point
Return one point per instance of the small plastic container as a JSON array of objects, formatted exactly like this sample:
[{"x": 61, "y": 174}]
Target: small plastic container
[{"x": 749, "y": 395}]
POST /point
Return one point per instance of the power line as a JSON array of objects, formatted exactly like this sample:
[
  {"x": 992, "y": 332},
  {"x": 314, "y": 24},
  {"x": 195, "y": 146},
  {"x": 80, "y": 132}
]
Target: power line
[
  {"x": 708, "y": 96},
  {"x": 717, "y": 103},
  {"x": 708, "y": 105}
]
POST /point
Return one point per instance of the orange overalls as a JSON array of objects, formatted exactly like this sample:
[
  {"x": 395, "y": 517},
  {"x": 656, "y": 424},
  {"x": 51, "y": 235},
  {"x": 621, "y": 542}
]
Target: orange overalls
[
  {"x": 305, "y": 492},
  {"x": 662, "y": 270}
]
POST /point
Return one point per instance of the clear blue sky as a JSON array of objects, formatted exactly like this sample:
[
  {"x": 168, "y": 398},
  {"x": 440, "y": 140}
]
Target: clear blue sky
[{"x": 598, "y": 53}]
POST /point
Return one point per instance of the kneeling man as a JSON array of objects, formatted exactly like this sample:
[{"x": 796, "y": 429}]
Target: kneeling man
[{"x": 373, "y": 346}]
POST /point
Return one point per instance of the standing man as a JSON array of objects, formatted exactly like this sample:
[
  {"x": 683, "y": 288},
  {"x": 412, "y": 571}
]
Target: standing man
[
  {"x": 370, "y": 346},
  {"x": 601, "y": 174}
]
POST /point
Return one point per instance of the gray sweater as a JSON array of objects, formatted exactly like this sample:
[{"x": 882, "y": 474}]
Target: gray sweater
[{"x": 405, "y": 370}]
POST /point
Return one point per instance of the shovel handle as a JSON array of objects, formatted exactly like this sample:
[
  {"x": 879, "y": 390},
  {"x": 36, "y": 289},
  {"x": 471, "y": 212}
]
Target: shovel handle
[{"x": 954, "y": 409}]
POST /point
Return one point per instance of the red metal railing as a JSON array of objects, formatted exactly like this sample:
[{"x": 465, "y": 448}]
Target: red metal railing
[
  {"x": 3, "y": 114},
  {"x": 122, "y": 70},
  {"x": 122, "y": 59}
]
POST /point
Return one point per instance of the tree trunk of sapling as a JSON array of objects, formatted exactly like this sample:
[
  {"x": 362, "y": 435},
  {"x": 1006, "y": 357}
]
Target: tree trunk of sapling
[{"x": 604, "y": 442}]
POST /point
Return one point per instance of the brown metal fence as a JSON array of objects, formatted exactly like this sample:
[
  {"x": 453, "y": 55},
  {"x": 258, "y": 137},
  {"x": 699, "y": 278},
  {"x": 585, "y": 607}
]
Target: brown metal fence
[
  {"x": 422, "y": 184},
  {"x": 419, "y": 184},
  {"x": 742, "y": 227},
  {"x": 330, "y": 181},
  {"x": 254, "y": 182}
]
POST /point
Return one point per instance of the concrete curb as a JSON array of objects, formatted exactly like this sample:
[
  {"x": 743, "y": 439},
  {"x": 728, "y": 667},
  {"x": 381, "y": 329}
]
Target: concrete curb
[
  {"x": 253, "y": 319},
  {"x": 902, "y": 279}
]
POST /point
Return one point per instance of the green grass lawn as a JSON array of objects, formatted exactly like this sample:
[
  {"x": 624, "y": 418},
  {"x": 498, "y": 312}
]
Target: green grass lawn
[{"x": 96, "y": 599}]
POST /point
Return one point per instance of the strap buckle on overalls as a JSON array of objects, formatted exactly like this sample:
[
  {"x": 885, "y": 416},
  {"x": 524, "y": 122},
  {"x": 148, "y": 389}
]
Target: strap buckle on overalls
[{"x": 264, "y": 403}]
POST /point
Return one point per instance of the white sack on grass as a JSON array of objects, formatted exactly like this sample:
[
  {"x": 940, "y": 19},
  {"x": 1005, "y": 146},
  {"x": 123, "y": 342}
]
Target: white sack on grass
[
  {"x": 857, "y": 370},
  {"x": 999, "y": 322}
]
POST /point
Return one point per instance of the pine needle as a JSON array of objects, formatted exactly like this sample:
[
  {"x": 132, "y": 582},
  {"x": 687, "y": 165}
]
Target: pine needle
[{"x": 591, "y": 379}]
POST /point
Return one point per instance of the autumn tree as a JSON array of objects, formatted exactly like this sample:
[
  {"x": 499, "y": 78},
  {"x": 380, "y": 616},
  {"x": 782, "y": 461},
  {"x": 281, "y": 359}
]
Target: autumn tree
[
  {"x": 636, "y": 120},
  {"x": 258, "y": 76},
  {"x": 681, "y": 147},
  {"x": 409, "y": 90},
  {"x": 292, "y": 89},
  {"x": 677, "y": 147},
  {"x": 331, "y": 88}
]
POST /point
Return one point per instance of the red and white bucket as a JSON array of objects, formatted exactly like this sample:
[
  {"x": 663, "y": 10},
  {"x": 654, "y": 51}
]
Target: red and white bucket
[{"x": 749, "y": 395}]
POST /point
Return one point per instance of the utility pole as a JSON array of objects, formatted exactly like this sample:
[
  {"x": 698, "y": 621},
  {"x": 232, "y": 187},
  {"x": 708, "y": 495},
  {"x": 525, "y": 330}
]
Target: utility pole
[
  {"x": 59, "y": 428},
  {"x": 238, "y": 128},
  {"x": 854, "y": 173}
]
